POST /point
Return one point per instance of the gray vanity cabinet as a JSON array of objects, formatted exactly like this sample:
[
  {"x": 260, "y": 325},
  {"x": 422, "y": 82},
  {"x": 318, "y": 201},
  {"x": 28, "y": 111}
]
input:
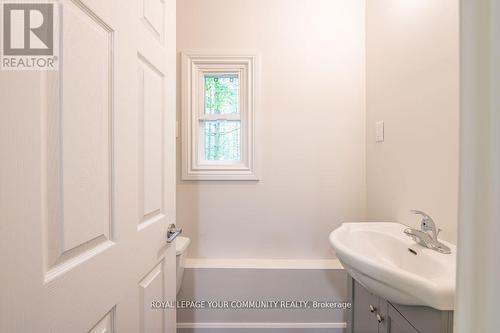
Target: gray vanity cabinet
[
  {"x": 364, "y": 309},
  {"x": 373, "y": 314}
]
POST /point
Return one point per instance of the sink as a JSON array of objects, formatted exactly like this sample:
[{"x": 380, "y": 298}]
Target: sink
[{"x": 391, "y": 265}]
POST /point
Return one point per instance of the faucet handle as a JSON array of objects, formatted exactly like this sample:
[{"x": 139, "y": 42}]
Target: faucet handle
[
  {"x": 427, "y": 223},
  {"x": 419, "y": 212}
]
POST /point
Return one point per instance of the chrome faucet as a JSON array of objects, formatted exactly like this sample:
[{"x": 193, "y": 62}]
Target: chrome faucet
[{"x": 427, "y": 236}]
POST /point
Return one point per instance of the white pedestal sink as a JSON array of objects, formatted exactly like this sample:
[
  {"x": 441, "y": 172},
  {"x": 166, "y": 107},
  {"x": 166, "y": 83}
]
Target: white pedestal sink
[{"x": 390, "y": 264}]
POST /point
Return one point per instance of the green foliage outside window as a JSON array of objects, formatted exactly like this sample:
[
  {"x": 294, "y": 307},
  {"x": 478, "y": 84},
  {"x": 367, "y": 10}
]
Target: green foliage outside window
[{"x": 221, "y": 94}]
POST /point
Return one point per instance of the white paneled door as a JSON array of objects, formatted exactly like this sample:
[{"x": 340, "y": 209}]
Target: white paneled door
[{"x": 87, "y": 175}]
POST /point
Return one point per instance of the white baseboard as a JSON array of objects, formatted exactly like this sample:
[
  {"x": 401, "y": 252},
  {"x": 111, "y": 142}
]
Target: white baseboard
[
  {"x": 261, "y": 325},
  {"x": 263, "y": 263}
]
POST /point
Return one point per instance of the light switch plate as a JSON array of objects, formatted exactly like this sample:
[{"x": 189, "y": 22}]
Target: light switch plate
[{"x": 379, "y": 131}]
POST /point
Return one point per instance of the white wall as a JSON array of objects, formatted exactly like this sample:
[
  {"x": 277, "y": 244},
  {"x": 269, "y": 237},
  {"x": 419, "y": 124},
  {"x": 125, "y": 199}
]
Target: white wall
[
  {"x": 311, "y": 128},
  {"x": 413, "y": 85}
]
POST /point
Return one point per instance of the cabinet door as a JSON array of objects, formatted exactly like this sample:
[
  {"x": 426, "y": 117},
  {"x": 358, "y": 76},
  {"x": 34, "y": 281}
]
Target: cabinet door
[
  {"x": 365, "y": 308},
  {"x": 393, "y": 321},
  {"x": 426, "y": 319}
]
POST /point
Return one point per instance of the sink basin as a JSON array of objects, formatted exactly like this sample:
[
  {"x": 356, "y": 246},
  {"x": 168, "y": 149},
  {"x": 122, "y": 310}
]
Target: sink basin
[{"x": 391, "y": 265}]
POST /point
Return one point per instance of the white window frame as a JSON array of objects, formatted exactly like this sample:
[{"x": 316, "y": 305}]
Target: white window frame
[{"x": 195, "y": 66}]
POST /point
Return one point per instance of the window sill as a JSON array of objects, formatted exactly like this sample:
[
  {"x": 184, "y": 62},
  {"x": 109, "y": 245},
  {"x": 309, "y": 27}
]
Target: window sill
[{"x": 211, "y": 175}]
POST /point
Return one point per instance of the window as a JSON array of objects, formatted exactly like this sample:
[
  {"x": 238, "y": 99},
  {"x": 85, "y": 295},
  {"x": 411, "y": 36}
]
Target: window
[
  {"x": 218, "y": 117},
  {"x": 221, "y": 120}
]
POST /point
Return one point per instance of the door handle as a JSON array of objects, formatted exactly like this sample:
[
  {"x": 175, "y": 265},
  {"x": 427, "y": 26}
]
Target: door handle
[{"x": 173, "y": 232}]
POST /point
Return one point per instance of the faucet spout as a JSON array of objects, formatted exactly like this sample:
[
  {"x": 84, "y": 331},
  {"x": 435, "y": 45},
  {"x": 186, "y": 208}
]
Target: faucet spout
[{"x": 427, "y": 236}]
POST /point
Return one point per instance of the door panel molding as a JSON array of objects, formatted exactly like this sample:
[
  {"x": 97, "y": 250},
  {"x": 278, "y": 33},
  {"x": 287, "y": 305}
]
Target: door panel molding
[
  {"x": 77, "y": 149},
  {"x": 150, "y": 123},
  {"x": 106, "y": 324},
  {"x": 152, "y": 288},
  {"x": 153, "y": 17}
]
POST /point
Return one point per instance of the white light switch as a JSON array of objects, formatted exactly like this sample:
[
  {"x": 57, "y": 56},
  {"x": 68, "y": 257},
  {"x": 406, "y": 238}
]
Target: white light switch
[{"x": 379, "y": 131}]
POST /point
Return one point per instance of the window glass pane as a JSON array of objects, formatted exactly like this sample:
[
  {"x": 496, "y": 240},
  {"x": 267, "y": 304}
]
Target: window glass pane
[
  {"x": 221, "y": 93},
  {"x": 222, "y": 140}
]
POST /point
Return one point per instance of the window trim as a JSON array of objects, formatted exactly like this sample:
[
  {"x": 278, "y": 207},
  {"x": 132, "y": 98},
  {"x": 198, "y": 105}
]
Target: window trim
[{"x": 195, "y": 66}]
